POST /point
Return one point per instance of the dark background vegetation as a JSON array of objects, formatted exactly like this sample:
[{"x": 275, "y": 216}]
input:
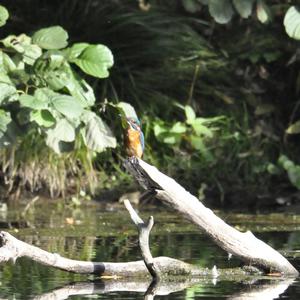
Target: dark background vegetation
[{"x": 244, "y": 72}]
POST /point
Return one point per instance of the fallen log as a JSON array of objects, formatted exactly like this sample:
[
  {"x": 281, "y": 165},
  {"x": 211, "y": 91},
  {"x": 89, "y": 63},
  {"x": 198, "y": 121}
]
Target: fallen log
[
  {"x": 243, "y": 245},
  {"x": 11, "y": 248}
]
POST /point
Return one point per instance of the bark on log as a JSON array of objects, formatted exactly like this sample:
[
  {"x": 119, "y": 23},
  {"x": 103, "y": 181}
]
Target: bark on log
[{"x": 244, "y": 245}]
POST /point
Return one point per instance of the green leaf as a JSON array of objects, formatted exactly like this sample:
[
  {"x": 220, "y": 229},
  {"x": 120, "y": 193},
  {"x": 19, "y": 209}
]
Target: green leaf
[
  {"x": 7, "y": 92},
  {"x": 42, "y": 118},
  {"x": 126, "y": 110},
  {"x": 168, "y": 135},
  {"x": 285, "y": 162},
  {"x": 263, "y": 12},
  {"x": 22, "y": 44},
  {"x": 67, "y": 105},
  {"x": 8, "y": 63},
  {"x": 189, "y": 114},
  {"x": 294, "y": 176},
  {"x": 77, "y": 87},
  {"x": 294, "y": 128},
  {"x": 200, "y": 129},
  {"x": 31, "y": 54},
  {"x": 52, "y": 60},
  {"x": 273, "y": 169},
  {"x": 63, "y": 131},
  {"x": 171, "y": 138},
  {"x": 178, "y": 127},
  {"x": 76, "y": 49},
  {"x": 54, "y": 37},
  {"x": 32, "y": 102},
  {"x": 57, "y": 145},
  {"x": 292, "y": 22},
  {"x": 44, "y": 94},
  {"x": 53, "y": 67},
  {"x": 3, "y": 15},
  {"x": 243, "y": 7},
  {"x": 191, "y": 6},
  {"x": 55, "y": 59},
  {"x": 55, "y": 80},
  {"x": 221, "y": 10},
  {"x": 5, "y": 79},
  {"x": 159, "y": 129},
  {"x": 16, "y": 42},
  {"x": 97, "y": 135},
  {"x": 5, "y": 119},
  {"x": 198, "y": 144},
  {"x": 95, "y": 60}
]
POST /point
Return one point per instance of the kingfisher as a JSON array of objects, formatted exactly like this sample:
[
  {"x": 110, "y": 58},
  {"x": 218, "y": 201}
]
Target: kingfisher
[{"x": 134, "y": 138}]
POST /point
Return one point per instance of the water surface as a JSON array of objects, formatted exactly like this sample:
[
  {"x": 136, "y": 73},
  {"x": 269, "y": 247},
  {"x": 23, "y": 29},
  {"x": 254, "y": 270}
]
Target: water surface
[{"x": 106, "y": 233}]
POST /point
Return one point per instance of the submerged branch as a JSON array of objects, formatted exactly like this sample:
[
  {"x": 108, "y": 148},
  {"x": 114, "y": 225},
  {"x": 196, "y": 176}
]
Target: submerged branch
[{"x": 244, "y": 245}]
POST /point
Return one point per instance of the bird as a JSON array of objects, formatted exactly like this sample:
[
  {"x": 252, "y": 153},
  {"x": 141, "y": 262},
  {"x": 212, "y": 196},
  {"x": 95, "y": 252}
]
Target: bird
[{"x": 134, "y": 138}]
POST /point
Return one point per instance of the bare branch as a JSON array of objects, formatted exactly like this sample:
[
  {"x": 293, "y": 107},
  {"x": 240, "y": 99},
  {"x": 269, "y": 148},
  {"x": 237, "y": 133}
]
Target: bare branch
[{"x": 144, "y": 232}]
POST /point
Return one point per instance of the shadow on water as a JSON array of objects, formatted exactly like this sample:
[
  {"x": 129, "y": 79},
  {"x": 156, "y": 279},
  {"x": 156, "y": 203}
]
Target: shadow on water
[{"x": 100, "y": 233}]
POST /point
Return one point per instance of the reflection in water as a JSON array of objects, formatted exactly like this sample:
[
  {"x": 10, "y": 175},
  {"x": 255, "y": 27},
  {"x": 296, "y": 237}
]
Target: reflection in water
[
  {"x": 97, "y": 235},
  {"x": 267, "y": 290}
]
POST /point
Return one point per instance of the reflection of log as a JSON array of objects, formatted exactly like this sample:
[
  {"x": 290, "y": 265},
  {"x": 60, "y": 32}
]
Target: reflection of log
[
  {"x": 243, "y": 245},
  {"x": 109, "y": 286},
  {"x": 266, "y": 291},
  {"x": 12, "y": 248}
]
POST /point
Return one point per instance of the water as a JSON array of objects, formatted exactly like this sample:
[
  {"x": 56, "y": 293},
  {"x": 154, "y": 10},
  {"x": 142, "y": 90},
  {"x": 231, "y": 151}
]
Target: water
[{"x": 101, "y": 233}]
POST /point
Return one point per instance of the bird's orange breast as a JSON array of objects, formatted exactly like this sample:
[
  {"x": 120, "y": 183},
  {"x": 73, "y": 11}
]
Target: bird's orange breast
[{"x": 133, "y": 143}]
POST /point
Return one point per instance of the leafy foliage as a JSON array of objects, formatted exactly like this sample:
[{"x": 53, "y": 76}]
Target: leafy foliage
[
  {"x": 51, "y": 38},
  {"x": 292, "y": 22},
  {"x": 3, "y": 15},
  {"x": 223, "y": 10},
  {"x": 38, "y": 80},
  {"x": 195, "y": 130},
  {"x": 292, "y": 170},
  {"x": 95, "y": 60}
]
